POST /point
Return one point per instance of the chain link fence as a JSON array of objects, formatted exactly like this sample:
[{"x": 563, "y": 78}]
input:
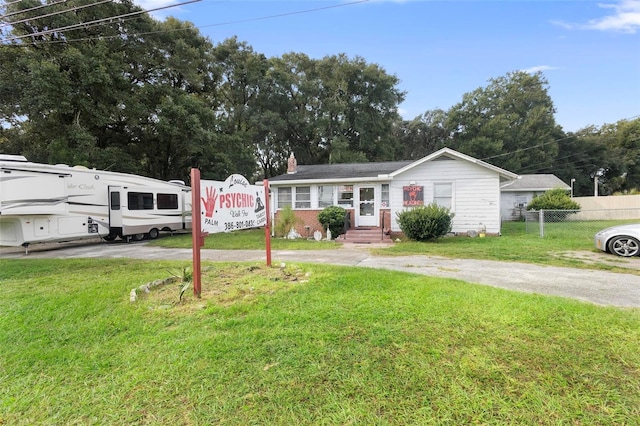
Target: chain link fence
[{"x": 559, "y": 222}]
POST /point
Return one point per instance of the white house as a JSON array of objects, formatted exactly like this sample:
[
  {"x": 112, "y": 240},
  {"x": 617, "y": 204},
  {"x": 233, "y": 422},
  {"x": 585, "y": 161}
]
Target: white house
[
  {"x": 516, "y": 194},
  {"x": 373, "y": 193}
]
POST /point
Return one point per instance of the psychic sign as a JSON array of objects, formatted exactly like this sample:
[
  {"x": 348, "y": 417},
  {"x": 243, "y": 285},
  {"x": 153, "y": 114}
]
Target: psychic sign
[
  {"x": 412, "y": 196},
  {"x": 231, "y": 205}
]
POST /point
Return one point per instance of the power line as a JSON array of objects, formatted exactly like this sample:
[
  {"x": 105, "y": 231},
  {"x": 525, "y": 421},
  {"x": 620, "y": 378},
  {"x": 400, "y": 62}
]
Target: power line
[
  {"x": 186, "y": 29},
  {"x": 73, "y": 9},
  {"x": 17, "y": 12},
  {"x": 12, "y": 2},
  {"x": 545, "y": 143},
  {"x": 85, "y": 24}
]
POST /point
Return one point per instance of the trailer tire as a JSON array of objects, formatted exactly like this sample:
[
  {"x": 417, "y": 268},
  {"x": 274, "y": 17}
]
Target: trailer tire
[
  {"x": 110, "y": 237},
  {"x": 137, "y": 237},
  {"x": 153, "y": 234}
]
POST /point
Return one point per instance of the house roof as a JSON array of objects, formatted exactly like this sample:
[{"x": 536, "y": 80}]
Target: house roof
[
  {"x": 374, "y": 171},
  {"x": 342, "y": 171},
  {"x": 539, "y": 182}
]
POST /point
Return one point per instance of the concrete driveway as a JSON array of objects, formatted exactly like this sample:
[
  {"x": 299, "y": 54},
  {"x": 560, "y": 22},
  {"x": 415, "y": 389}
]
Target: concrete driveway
[{"x": 599, "y": 287}]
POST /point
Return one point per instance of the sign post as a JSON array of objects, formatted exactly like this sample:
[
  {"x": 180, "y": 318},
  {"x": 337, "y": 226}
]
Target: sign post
[
  {"x": 267, "y": 227},
  {"x": 224, "y": 207},
  {"x": 196, "y": 230}
]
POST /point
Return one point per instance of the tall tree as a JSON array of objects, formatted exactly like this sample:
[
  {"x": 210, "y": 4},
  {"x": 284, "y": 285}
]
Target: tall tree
[
  {"x": 129, "y": 95},
  {"x": 509, "y": 123},
  {"x": 421, "y": 136}
]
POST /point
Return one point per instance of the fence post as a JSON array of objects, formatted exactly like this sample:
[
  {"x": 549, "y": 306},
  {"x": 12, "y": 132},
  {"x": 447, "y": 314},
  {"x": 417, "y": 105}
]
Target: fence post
[{"x": 541, "y": 221}]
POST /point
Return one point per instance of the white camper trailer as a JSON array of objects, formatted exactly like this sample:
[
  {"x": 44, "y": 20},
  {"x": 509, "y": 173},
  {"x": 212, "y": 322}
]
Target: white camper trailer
[{"x": 47, "y": 203}]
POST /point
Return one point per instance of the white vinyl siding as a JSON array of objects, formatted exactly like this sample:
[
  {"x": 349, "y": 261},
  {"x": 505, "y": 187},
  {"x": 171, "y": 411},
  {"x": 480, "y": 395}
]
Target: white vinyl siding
[{"x": 475, "y": 197}]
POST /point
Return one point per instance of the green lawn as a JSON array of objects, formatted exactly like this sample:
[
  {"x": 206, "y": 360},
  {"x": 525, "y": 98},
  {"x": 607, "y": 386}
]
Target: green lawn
[
  {"x": 308, "y": 344},
  {"x": 515, "y": 244},
  {"x": 252, "y": 239}
]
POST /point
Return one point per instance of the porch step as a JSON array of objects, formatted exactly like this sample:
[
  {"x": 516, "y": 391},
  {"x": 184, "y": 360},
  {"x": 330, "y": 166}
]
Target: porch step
[{"x": 364, "y": 235}]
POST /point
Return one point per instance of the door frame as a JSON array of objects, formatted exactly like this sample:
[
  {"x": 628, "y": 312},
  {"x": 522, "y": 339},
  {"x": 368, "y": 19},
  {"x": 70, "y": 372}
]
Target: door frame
[
  {"x": 374, "y": 220},
  {"x": 115, "y": 215}
]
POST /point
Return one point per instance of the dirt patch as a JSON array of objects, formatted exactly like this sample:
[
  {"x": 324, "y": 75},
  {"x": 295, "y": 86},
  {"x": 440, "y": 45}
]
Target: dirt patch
[
  {"x": 226, "y": 286},
  {"x": 602, "y": 258}
]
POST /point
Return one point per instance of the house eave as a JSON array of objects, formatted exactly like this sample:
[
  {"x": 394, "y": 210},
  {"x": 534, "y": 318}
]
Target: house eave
[
  {"x": 455, "y": 154},
  {"x": 293, "y": 182}
]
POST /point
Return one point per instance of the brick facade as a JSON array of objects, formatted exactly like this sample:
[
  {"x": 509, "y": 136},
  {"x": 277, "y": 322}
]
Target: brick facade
[{"x": 309, "y": 218}]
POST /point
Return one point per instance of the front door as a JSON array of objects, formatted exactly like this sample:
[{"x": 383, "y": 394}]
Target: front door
[
  {"x": 115, "y": 208},
  {"x": 366, "y": 211}
]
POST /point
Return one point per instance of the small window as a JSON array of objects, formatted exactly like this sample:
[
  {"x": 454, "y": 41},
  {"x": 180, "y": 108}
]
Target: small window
[
  {"x": 325, "y": 196},
  {"x": 442, "y": 194},
  {"x": 345, "y": 196},
  {"x": 140, "y": 200},
  {"x": 115, "y": 201},
  {"x": 384, "y": 195},
  {"x": 284, "y": 197},
  {"x": 303, "y": 197},
  {"x": 167, "y": 201}
]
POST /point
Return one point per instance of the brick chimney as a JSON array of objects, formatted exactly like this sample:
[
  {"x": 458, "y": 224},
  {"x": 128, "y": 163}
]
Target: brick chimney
[{"x": 292, "y": 165}]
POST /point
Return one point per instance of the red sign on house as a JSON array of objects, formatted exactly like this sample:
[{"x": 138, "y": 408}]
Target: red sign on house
[{"x": 412, "y": 196}]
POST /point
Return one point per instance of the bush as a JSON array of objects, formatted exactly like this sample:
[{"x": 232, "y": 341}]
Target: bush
[
  {"x": 333, "y": 218},
  {"x": 554, "y": 199},
  {"x": 425, "y": 222},
  {"x": 287, "y": 219}
]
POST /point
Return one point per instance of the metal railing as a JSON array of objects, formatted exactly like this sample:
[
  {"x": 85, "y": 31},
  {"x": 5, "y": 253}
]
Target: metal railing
[{"x": 557, "y": 222}]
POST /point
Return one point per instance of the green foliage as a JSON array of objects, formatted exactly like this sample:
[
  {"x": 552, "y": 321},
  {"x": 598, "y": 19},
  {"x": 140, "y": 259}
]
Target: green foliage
[
  {"x": 554, "y": 199},
  {"x": 514, "y": 114},
  {"x": 286, "y": 220},
  {"x": 351, "y": 345},
  {"x": 185, "y": 278},
  {"x": 632, "y": 191},
  {"x": 425, "y": 223},
  {"x": 332, "y": 217}
]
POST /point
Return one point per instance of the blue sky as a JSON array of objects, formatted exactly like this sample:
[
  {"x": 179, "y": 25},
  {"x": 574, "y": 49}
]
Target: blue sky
[{"x": 589, "y": 51}]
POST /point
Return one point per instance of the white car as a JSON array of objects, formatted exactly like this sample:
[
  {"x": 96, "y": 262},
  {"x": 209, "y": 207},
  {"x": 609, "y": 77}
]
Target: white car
[{"x": 623, "y": 240}]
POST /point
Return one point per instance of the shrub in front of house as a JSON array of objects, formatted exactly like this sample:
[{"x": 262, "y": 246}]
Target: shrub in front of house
[
  {"x": 333, "y": 218},
  {"x": 554, "y": 199},
  {"x": 425, "y": 223},
  {"x": 285, "y": 221}
]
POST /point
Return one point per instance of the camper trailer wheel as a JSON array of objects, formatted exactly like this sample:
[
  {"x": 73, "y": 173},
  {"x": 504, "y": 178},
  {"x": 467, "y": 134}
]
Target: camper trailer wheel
[
  {"x": 110, "y": 237},
  {"x": 153, "y": 234},
  {"x": 137, "y": 237}
]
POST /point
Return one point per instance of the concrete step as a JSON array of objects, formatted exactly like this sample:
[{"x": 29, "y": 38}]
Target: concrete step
[{"x": 364, "y": 236}]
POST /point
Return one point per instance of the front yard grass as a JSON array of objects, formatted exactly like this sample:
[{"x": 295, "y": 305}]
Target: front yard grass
[
  {"x": 557, "y": 248},
  {"x": 304, "y": 344},
  {"x": 251, "y": 239}
]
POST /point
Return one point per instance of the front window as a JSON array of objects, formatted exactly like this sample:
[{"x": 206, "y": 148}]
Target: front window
[
  {"x": 140, "y": 200},
  {"x": 115, "y": 201},
  {"x": 284, "y": 197},
  {"x": 442, "y": 194},
  {"x": 303, "y": 197},
  {"x": 325, "y": 196},
  {"x": 384, "y": 195},
  {"x": 167, "y": 201},
  {"x": 345, "y": 196}
]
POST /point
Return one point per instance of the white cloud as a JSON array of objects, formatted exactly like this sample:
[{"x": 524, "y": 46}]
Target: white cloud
[
  {"x": 152, "y": 4},
  {"x": 624, "y": 17},
  {"x": 162, "y": 13},
  {"x": 533, "y": 70}
]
